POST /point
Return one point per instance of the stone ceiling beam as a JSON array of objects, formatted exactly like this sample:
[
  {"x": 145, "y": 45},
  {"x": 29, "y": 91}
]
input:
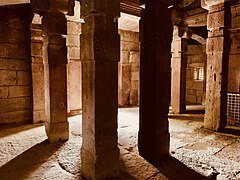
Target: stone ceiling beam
[
  {"x": 11, "y": 2},
  {"x": 64, "y": 6}
]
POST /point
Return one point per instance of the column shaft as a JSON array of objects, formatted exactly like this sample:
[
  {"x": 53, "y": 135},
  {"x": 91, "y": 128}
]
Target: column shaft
[
  {"x": 179, "y": 63},
  {"x": 217, "y": 67},
  {"x": 155, "y": 76},
  {"x": 55, "y": 77},
  {"x": 100, "y": 53}
]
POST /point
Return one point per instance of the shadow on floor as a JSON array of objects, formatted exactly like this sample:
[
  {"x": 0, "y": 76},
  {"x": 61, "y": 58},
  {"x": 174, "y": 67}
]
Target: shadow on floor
[
  {"x": 9, "y": 130},
  {"x": 232, "y": 130},
  {"x": 29, "y": 161},
  {"x": 195, "y": 112},
  {"x": 194, "y": 117},
  {"x": 173, "y": 169}
]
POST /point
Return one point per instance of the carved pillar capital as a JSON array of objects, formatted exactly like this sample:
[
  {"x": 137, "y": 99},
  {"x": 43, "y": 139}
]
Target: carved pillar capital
[
  {"x": 206, "y": 4},
  {"x": 184, "y": 32},
  {"x": 64, "y": 6}
]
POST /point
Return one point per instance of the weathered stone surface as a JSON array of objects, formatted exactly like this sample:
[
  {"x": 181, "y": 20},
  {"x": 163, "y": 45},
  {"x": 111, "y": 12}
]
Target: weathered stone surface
[
  {"x": 23, "y": 78},
  {"x": 3, "y": 92},
  {"x": 38, "y": 88},
  {"x": 73, "y": 53},
  {"x": 73, "y": 28},
  {"x": 125, "y": 54},
  {"x": 14, "y": 104},
  {"x": 215, "y": 19},
  {"x": 156, "y": 37},
  {"x": 37, "y": 74},
  {"x": 134, "y": 57},
  {"x": 14, "y": 64},
  {"x": 17, "y": 116},
  {"x": 178, "y": 64},
  {"x": 100, "y": 53},
  {"x": 130, "y": 46},
  {"x": 55, "y": 76},
  {"x": 124, "y": 84},
  {"x": 8, "y": 77},
  {"x": 101, "y": 119},
  {"x": 128, "y": 87},
  {"x": 100, "y": 27},
  {"x": 73, "y": 40},
  {"x": 39, "y": 116},
  {"x": 74, "y": 89},
  {"x": 18, "y": 91},
  {"x": 129, "y": 36},
  {"x": 197, "y": 20},
  {"x": 235, "y": 40}
]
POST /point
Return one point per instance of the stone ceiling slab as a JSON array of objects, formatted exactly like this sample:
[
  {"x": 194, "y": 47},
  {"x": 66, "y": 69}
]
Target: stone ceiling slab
[{"x": 10, "y": 2}]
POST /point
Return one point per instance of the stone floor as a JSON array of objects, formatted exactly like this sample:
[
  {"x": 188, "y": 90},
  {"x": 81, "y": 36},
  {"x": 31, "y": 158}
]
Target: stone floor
[{"x": 196, "y": 153}]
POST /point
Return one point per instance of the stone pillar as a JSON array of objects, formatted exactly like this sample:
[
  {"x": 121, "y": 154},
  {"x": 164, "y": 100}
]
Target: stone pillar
[
  {"x": 54, "y": 26},
  {"x": 37, "y": 74},
  {"x": 217, "y": 49},
  {"x": 100, "y": 53},
  {"x": 155, "y": 76},
  {"x": 179, "y": 64}
]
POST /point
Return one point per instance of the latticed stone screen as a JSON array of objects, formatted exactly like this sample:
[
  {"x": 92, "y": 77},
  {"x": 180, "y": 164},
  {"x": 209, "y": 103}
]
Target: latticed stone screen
[{"x": 233, "y": 109}]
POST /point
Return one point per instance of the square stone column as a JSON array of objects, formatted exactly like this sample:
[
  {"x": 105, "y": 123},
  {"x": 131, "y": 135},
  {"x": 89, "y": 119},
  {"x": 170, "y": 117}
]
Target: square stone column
[
  {"x": 155, "y": 76},
  {"x": 179, "y": 64},
  {"x": 55, "y": 77},
  {"x": 217, "y": 49},
  {"x": 37, "y": 74},
  {"x": 100, "y": 53}
]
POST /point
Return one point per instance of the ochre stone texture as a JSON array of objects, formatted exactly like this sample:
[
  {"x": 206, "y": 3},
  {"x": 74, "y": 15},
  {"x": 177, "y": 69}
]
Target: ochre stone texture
[
  {"x": 129, "y": 67},
  {"x": 54, "y": 25},
  {"x": 37, "y": 74},
  {"x": 100, "y": 54},
  {"x": 74, "y": 79},
  {"x": 178, "y": 76},
  {"x": 217, "y": 49},
  {"x": 15, "y": 65},
  {"x": 195, "y": 89}
]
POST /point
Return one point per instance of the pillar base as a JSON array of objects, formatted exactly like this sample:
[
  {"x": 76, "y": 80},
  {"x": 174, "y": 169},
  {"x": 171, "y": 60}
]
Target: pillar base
[
  {"x": 101, "y": 166},
  {"x": 154, "y": 154},
  {"x": 57, "y": 131}
]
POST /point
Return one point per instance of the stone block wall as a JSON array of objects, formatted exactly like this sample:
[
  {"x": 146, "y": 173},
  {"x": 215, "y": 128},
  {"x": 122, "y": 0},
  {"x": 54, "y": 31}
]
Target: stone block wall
[
  {"x": 129, "y": 67},
  {"x": 74, "y": 90},
  {"x": 195, "y": 89},
  {"x": 15, "y": 61},
  {"x": 74, "y": 74}
]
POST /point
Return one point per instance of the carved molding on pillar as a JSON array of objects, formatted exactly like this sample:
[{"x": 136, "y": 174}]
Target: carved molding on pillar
[
  {"x": 206, "y": 4},
  {"x": 184, "y": 32}
]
